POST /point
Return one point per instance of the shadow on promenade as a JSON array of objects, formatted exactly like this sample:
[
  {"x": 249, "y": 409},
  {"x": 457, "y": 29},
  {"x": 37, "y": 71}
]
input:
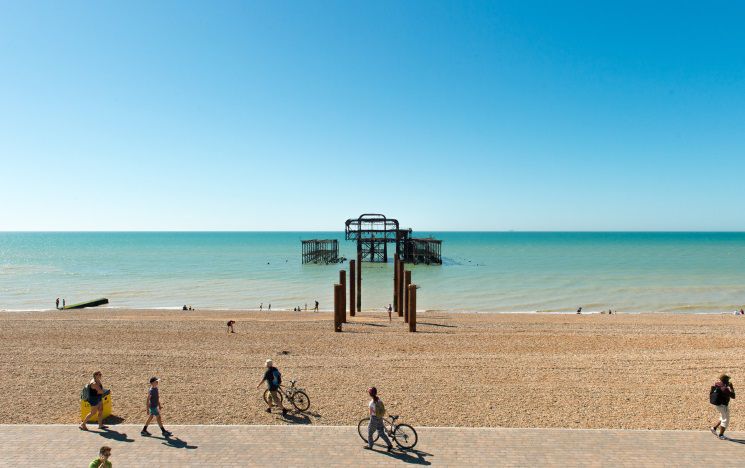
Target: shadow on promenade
[
  {"x": 412, "y": 456},
  {"x": 175, "y": 442},
  {"x": 114, "y": 435}
]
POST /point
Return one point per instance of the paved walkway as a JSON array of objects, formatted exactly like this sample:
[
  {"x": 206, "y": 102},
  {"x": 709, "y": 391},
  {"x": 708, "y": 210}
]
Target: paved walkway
[{"x": 203, "y": 446}]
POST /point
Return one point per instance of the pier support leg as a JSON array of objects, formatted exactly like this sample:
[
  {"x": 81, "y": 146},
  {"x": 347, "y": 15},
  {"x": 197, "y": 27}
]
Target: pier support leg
[
  {"x": 412, "y": 307},
  {"x": 352, "y": 286},
  {"x": 395, "y": 283},
  {"x": 343, "y": 283},
  {"x": 359, "y": 280},
  {"x": 401, "y": 302},
  {"x": 338, "y": 294},
  {"x": 407, "y": 283}
]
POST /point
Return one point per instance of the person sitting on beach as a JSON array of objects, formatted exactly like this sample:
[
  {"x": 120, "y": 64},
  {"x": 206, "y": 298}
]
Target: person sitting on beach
[
  {"x": 95, "y": 399},
  {"x": 153, "y": 407},
  {"x": 273, "y": 379},
  {"x": 184, "y": 308},
  {"x": 230, "y": 326},
  {"x": 579, "y": 311},
  {"x": 102, "y": 460},
  {"x": 719, "y": 396},
  {"x": 377, "y": 412}
]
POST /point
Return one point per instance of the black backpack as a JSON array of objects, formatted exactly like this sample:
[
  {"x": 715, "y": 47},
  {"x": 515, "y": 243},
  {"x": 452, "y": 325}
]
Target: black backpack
[{"x": 716, "y": 395}]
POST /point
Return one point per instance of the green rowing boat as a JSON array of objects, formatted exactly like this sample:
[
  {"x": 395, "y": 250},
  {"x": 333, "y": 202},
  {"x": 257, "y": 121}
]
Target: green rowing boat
[{"x": 93, "y": 303}]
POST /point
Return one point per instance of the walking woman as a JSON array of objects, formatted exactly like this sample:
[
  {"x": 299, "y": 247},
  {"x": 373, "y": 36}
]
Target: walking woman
[
  {"x": 95, "y": 399},
  {"x": 377, "y": 411}
]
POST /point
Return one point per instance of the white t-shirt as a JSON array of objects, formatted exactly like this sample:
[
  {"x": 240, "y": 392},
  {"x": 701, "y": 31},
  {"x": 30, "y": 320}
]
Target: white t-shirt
[{"x": 372, "y": 406}]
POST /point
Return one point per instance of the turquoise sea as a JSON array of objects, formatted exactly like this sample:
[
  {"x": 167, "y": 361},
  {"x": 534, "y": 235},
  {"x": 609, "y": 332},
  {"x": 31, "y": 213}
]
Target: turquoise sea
[{"x": 481, "y": 271}]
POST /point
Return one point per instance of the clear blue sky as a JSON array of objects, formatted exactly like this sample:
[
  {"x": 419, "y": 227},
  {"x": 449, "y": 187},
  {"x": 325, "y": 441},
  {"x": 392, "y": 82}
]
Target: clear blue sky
[{"x": 448, "y": 115}]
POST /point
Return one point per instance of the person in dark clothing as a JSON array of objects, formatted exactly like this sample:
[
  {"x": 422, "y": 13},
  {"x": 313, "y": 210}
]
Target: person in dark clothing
[
  {"x": 56, "y": 304},
  {"x": 153, "y": 407},
  {"x": 273, "y": 379},
  {"x": 230, "y": 326},
  {"x": 315, "y": 309},
  {"x": 725, "y": 391}
]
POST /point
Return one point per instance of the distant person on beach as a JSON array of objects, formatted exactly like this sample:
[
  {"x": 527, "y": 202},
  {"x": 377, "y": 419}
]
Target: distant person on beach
[
  {"x": 102, "y": 460},
  {"x": 56, "y": 304},
  {"x": 230, "y": 326},
  {"x": 579, "y": 311},
  {"x": 261, "y": 307},
  {"x": 273, "y": 379},
  {"x": 184, "y": 308},
  {"x": 742, "y": 312},
  {"x": 390, "y": 309},
  {"x": 377, "y": 412},
  {"x": 95, "y": 399},
  {"x": 315, "y": 309},
  {"x": 153, "y": 407},
  {"x": 63, "y": 303},
  {"x": 306, "y": 307},
  {"x": 719, "y": 396},
  {"x": 270, "y": 306}
]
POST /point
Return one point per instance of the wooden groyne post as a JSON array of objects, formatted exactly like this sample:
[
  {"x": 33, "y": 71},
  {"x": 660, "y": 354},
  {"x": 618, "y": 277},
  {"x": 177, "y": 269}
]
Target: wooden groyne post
[
  {"x": 411, "y": 307},
  {"x": 343, "y": 283},
  {"x": 352, "y": 285},
  {"x": 359, "y": 281},
  {"x": 407, "y": 283},
  {"x": 338, "y": 294}
]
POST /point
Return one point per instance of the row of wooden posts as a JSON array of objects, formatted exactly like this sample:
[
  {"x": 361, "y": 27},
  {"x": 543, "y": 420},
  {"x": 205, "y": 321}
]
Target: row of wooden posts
[{"x": 404, "y": 293}]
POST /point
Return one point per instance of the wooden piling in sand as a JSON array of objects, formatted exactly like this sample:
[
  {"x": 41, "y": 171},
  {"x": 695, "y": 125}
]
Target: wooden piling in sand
[
  {"x": 352, "y": 285},
  {"x": 407, "y": 283},
  {"x": 359, "y": 281},
  {"x": 411, "y": 308},
  {"x": 338, "y": 293},
  {"x": 343, "y": 283}
]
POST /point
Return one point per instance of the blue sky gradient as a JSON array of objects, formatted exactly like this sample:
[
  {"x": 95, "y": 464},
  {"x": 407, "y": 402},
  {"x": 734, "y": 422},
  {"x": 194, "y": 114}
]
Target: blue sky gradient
[{"x": 447, "y": 115}]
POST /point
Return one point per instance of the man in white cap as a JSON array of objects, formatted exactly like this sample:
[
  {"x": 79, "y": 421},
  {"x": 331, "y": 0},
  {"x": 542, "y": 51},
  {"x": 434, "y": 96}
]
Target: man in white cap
[{"x": 273, "y": 379}]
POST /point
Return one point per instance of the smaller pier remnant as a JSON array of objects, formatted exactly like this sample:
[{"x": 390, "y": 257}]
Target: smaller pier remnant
[
  {"x": 338, "y": 298},
  {"x": 411, "y": 307},
  {"x": 423, "y": 250},
  {"x": 322, "y": 251}
]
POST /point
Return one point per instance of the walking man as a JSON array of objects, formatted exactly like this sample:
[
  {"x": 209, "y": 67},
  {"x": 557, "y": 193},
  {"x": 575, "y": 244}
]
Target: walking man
[
  {"x": 273, "y": 379},
  {"x": 719, "y": 395},
  {"x": 153, "y": 407},
  {"x": 390, "y": 309},
  {"x": 56, "y": 304},
  {"x": 315, "y": 309}
]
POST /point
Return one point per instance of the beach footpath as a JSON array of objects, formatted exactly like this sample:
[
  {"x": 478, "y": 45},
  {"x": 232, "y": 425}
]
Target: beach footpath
[{"x": 205, "y": 445}]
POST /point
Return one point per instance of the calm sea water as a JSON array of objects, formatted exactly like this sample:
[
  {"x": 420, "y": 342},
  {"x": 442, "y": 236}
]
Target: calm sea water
[{"x": 498, "y": 272}]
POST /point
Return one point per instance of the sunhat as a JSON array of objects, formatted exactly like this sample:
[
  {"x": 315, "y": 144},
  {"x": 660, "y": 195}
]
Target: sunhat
[{"x": 269, "y": 363}]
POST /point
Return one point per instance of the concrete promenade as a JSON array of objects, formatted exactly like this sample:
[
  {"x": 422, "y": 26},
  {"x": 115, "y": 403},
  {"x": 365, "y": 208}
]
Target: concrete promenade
[{"x": 203, "y": 446}]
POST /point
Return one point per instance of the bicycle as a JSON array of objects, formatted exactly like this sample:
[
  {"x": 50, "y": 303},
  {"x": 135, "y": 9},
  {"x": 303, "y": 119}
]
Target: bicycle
[
  {"x": 404, "y": 435},
  {"x": 296, "y": 395}
]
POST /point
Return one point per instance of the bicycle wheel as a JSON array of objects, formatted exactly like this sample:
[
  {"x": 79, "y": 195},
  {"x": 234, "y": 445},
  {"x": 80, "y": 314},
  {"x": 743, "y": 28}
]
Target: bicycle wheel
[
  {"x": 405, "y": 436},
  {"x": 362, "y": 429},
  {"x": 267, "y": 396},
  {"x": 300, "y": 400}
]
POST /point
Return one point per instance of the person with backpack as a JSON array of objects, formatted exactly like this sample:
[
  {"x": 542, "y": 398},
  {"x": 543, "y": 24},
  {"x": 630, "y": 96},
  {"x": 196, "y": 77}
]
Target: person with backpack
[
  {"x": 273, "y": 379},
  {"x": 719, "y": 395},
  {"x": 377, "y": 412},
  {"x": 93, "y": 393}
]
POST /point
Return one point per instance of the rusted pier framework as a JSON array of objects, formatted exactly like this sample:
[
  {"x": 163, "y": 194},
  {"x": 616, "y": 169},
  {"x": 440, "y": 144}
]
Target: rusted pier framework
[
  {"x": 321, "y": 251},
  {"x": 427, "y": 251},
  {"x": 373, "y": 232}
]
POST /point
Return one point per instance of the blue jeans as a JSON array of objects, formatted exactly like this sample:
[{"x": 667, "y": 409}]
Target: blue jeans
[{"x": 376, "y": 424}]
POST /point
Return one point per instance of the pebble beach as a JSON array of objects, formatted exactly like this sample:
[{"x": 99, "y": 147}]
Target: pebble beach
[{"x": 642, "y": 371}]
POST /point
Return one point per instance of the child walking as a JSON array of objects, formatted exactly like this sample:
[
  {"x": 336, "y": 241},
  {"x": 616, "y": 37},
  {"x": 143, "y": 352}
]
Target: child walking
[{"x": 153, "y": 408}]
